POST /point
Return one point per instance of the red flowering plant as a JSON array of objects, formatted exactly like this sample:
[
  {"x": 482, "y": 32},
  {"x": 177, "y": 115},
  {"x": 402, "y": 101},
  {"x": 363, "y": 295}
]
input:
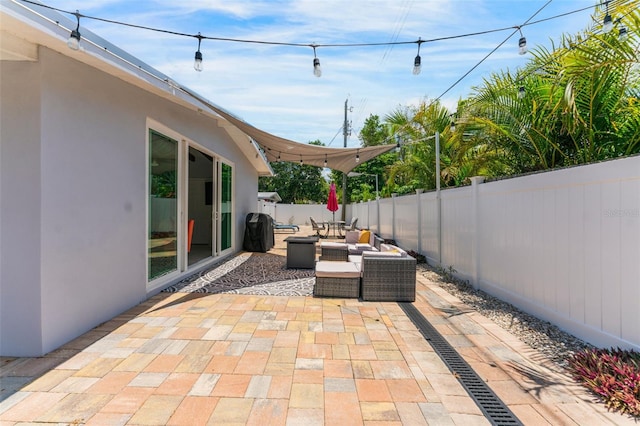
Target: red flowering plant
[{"x": 612, "y": 374}]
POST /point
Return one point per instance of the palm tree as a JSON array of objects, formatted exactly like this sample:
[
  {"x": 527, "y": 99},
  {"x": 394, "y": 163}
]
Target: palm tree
[
  {"x": 579, "y": 102},
  {"x": 462, "y": 153}
]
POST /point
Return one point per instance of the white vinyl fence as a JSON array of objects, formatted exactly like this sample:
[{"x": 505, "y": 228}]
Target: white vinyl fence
[
  {"x": 299, "y": 214},
  {"x": 561, "y": 245}
]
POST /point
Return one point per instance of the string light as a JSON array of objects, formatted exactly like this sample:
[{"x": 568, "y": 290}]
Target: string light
[
  {"x": 521, "y": 90},
  {"x": 527, "y": 22},
  {"x": 197, "y": 63},
  {"x": 622, "y": 33},
  {"x": 522, "y": 43},
  {"x": 417, "y": 67},
  {"x": 607, "y": 23},
  {"x": 358, "y": 156},
  {"x": 325, "y": 160},
  {"x": 74, "y": 39},
  {"x": 75, "y": 35},
  {"x": 317, "y": 71}
]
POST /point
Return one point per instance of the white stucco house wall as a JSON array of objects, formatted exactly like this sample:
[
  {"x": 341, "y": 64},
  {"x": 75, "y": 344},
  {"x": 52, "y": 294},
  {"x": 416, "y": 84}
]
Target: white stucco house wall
[{"x": 104, "y": 165}]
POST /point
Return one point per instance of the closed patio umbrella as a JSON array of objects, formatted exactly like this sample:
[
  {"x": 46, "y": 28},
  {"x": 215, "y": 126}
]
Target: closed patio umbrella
[{"x": 332, "y": 201}]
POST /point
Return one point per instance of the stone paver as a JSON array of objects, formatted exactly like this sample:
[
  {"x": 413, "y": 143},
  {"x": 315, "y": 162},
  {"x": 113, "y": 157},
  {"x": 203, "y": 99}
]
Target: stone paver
[{"x": 245, "y": 359}]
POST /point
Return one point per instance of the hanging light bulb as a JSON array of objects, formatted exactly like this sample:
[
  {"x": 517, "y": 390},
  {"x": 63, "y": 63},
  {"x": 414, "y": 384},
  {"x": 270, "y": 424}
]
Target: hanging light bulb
[
  {"x": 452, "y": 127},
  {"x": 197, "y": 63},
  {"x": 521, "y": 92},
  {"x": 301, "y": 163},
  {"x": 417, "y": 66},
  {"x": 317, "y": 71},
  {"x": 74, "y": 39},
  {"x": 358, "y": 157},
  {"x": 622, "y": 34},
  {"x": 325, "y": 160},
  {"x": 278, "y": 159},
  {"x": 522, "y": 43},
  {"x": 397, "y": 143},
  {"x": 607, "y": 23}
]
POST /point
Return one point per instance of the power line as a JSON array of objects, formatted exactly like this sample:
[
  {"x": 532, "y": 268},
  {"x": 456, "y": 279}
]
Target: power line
[{"x": 491, "y": 53}]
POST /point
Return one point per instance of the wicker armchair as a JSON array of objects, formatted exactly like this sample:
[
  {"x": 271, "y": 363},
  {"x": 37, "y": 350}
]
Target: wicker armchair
[{"x": 388, "y": 278}]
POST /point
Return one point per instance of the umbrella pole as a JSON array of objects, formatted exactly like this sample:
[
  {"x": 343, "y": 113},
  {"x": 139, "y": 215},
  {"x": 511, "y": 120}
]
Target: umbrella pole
[{"x": 334, "y": 224}]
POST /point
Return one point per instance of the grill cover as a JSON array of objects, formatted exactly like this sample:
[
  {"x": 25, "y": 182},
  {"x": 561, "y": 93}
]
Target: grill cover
[{"x": 258, "y": 233}]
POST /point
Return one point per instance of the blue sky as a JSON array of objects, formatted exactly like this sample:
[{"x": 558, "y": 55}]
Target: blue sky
[{"x": 273, "y": 87}]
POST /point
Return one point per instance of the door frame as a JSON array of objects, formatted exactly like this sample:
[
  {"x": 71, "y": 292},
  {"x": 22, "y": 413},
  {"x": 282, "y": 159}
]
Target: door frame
[{"x": 183, "y": 204}]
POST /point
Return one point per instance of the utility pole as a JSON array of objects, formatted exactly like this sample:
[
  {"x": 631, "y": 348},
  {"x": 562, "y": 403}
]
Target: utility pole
[{"x": 345, "y": 133}]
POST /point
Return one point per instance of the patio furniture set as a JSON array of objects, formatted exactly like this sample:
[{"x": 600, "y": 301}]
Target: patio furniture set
[
  {"x": 364, "y": 267},
  {"x": 322, "y": 228}
]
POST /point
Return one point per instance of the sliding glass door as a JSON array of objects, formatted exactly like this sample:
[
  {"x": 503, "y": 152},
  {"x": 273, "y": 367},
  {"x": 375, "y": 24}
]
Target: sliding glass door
[{"x": 190, "y": 206}]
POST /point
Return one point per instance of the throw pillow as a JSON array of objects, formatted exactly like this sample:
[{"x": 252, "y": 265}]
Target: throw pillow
[
  {"x": 352, "y": 237},
  {"x": 364, "y": 236}
]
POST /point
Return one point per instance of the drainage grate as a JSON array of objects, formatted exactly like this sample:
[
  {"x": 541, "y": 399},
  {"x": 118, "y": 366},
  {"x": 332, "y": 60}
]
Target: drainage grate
[{"x": 493, "y": 408}]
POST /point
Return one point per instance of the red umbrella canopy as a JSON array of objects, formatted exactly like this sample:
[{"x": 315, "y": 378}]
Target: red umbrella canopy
[{"x": 332, "y": 201}]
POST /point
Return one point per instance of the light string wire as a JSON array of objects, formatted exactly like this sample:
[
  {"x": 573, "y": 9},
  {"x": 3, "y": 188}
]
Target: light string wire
[
  {"x": 391, "y": 138},
  {"x": 553, "y": 57},
  {"x": 491, "y": 53},
  {"x": 77, "y": 14}
]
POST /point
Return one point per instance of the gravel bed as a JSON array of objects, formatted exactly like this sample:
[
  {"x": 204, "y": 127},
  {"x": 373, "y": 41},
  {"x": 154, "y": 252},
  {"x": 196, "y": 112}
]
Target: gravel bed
[{"x": 541, "y": 335}]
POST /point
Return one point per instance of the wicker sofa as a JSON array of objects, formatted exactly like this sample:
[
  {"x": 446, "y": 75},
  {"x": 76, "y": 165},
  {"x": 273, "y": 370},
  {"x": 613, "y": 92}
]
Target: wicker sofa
[
  {"x": 386, "y": 277},
  {"x": 340, "y": 251},
  {"x": 388, "y": 274}
]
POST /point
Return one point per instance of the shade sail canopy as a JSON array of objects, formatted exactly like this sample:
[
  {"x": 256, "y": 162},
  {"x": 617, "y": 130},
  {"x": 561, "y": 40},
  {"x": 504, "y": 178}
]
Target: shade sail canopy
[{"x": 276, "y": 148}]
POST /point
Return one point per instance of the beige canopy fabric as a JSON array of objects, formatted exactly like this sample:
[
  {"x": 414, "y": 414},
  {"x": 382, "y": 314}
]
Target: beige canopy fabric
[{"x": 280, "y": 149}]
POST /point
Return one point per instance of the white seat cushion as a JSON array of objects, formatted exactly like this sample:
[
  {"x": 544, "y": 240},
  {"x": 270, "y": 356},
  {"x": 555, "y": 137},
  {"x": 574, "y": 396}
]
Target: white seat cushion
[
  {"x": 358, "y": 248},
  {"x": 331, "y": 244},
  {"x": 330, "y": 269}
]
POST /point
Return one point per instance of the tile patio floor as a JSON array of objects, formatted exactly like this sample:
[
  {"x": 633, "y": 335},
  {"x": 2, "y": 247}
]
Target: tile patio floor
[{"x": 184, "y": 359}]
